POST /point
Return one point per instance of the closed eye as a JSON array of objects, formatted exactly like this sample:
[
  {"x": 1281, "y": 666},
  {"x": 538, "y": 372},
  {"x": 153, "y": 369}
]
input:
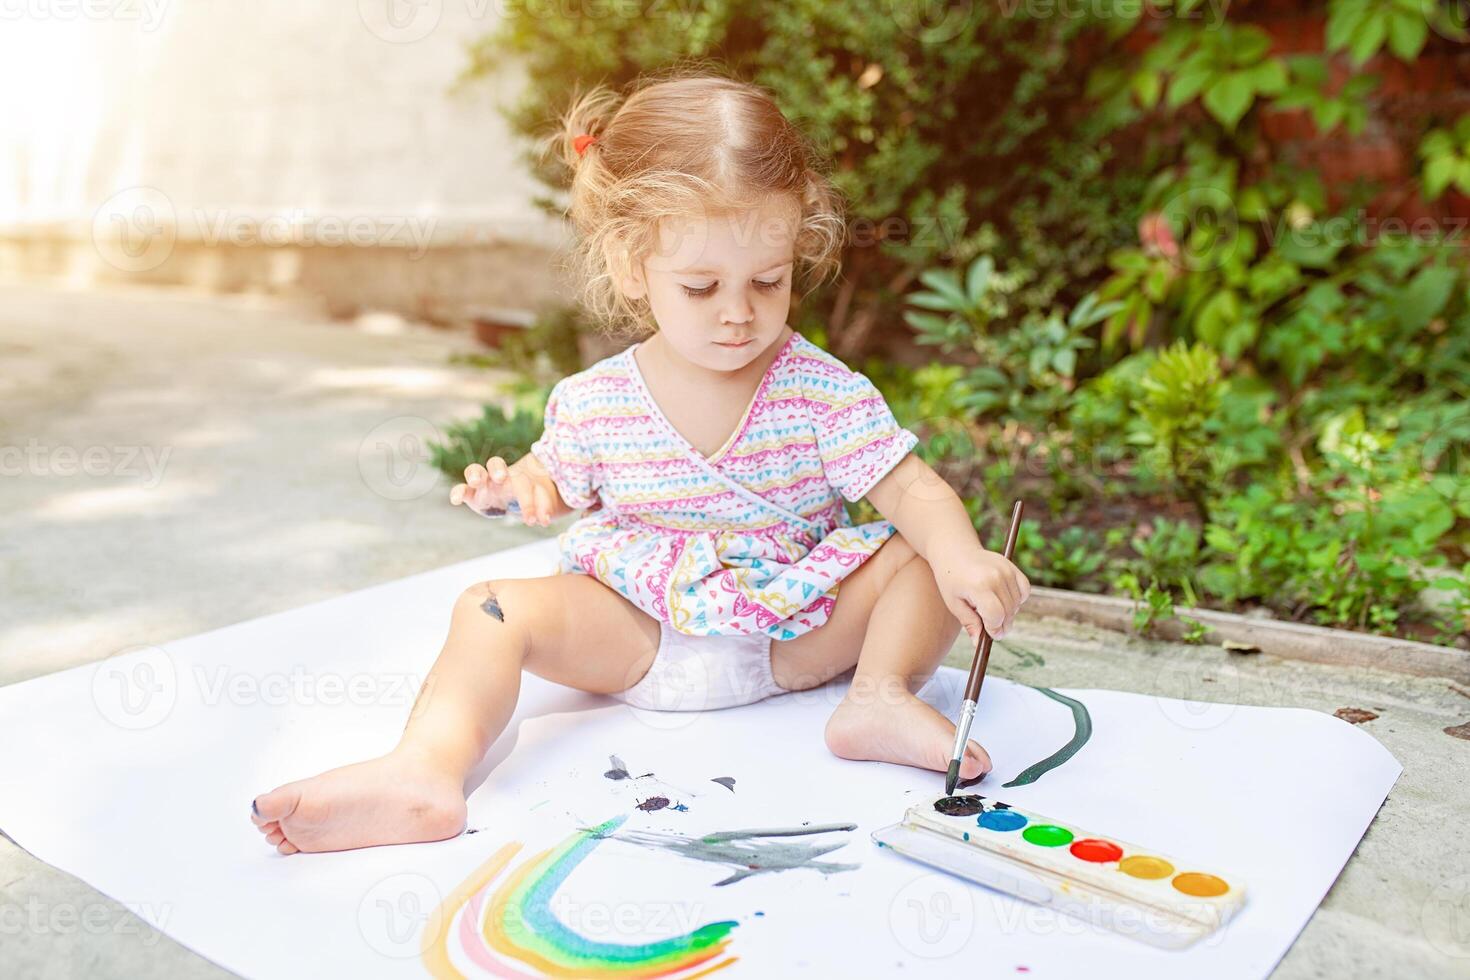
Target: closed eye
[{"x": 764, "y": 285}]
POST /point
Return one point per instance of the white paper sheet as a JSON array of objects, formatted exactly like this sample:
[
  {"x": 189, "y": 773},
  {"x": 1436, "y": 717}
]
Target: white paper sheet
[{"x": 136, "y": 775}]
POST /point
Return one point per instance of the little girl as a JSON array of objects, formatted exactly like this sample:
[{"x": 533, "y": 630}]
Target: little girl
[{"x": 716, "y": 565}]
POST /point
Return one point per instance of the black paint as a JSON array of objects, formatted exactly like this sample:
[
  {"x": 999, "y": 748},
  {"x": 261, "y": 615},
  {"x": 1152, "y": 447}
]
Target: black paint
[
  {"x": 967, "y": 783},
  {"x": 619, "y": 769},
  {"x": 654, "y": 803},
  {"x": 959, "y": 806},
  {"x": 726, "y": 781},
  {"x": 492, "y": 607}
]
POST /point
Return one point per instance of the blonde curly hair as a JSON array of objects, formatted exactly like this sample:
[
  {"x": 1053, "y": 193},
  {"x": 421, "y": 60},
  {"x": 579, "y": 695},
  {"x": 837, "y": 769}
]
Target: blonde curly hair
[{"x": 676, "y": 146}]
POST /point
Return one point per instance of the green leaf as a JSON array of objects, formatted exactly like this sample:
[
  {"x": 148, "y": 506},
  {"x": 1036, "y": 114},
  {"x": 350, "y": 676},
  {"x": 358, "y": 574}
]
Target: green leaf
[
  {"x": 1269, "y": 77},
  {"x": 1217, "y": 317},
  {"x": 1248, "y": 45},
  {"x": 1065, "y": 362},
  {"x": 1229, "y": 98},
  {"x": 1310, "y": 247},
  {"x": 1422, "y": 299},
  {"x": 1188, "y": 83},
  {"x": 1439, "y": 173},
  {"x": 1407, "y": 33},
  {"x": 1328, "y": 115},
  {"x": 977, "y": 281},
  {"x": 946, "y": 284},
  {"x": 934, "y": 301},
  {"x": 1369, "y": 38},
  {"x": 1343, "y": 20},
  {"x": 1146, "y": 88}
]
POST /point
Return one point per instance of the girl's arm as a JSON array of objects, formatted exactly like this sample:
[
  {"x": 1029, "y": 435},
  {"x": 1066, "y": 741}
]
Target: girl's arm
[{"x": 978, "y": 585}]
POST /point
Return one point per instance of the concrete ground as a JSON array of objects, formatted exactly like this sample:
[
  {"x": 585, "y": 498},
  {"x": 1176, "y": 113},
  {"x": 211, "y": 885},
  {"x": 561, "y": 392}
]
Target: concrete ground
[{"x": 172, "y": 464}]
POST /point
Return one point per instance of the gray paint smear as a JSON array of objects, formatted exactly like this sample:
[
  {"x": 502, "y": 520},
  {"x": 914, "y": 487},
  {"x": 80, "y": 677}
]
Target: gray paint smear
[{"x": 747, "y": 851}]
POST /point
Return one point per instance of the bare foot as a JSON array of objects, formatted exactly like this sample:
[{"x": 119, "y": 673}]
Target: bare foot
[
  {"x": 898, "y": 727},
  {"x": 392, "y": 799}
]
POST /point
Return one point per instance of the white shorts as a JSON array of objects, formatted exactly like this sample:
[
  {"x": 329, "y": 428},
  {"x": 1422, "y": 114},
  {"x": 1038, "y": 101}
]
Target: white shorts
[{"x": 702, "y": 673}]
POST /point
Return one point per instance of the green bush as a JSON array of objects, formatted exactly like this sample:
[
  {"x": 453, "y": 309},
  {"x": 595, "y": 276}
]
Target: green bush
[{"x": 1220, "y": 386}]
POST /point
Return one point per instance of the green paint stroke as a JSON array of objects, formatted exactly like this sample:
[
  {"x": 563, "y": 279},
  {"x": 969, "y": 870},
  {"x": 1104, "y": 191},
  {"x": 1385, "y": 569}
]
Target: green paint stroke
[
  {"x": 529, "y": 922},
  {"x": 1082, "y": 722}
]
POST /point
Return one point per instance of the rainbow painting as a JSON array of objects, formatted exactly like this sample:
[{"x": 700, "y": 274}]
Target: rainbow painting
[{"x": 497, "y": 926}]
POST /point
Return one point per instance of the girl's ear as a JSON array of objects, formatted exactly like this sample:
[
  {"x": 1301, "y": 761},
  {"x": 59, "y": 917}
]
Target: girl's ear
[{"x": 626, "y": 274}]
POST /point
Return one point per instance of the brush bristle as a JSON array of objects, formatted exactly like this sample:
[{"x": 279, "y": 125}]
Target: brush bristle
[{"x": 952, "y": 777}]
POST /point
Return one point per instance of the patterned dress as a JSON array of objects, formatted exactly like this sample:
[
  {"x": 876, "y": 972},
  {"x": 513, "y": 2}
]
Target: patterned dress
[{"x": 752, "y": 539}]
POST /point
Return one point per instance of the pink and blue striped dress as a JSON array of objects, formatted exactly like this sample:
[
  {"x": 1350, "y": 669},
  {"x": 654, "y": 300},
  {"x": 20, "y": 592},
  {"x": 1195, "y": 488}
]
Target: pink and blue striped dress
[{"x": 752, "y": 539}]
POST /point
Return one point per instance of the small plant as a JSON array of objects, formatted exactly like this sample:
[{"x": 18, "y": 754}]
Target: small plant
[
  {"x": 1178, "y": 395},
  {"x": 492, "y": 434}
]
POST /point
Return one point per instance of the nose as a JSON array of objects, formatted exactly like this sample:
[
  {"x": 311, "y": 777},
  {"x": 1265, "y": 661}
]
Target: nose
[{"x": 738, "y": 311}]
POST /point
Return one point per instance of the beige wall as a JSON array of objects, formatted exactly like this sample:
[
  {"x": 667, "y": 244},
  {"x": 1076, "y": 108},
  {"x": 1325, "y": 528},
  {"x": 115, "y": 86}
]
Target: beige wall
[{"x": 272, "y": 144}]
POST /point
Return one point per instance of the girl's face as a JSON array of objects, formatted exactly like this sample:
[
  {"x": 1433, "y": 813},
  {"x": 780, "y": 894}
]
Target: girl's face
[{"x": 719, "y": 286}]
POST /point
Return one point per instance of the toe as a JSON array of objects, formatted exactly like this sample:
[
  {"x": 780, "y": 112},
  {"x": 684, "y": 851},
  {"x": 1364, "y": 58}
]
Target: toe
[
  {"x": 975, "y": 762},
  {"x": 278, "y": 804}
]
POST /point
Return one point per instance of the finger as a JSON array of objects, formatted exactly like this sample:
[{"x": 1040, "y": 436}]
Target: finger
[
  {"x": 543, "y": 505},
  {"x": 474, "y": 474},
  {"x": 521, "y": 487},
  {"x": 485, "y": 498},
  {"x": 1005, "y": 590},
  {"x": 967, "y": 618},
  {"x": 274, "y": 837},
  {"x": 992, "y": 613},
  {"x": 286, "y": 847},
  {"x": 1025, "y": 585},
  {"x": 497, "y": 469},
  {"x": 456, "y": 495}
]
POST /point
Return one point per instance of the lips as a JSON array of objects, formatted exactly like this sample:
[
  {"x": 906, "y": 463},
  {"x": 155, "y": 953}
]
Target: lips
[{"x": 740, "y": 343}]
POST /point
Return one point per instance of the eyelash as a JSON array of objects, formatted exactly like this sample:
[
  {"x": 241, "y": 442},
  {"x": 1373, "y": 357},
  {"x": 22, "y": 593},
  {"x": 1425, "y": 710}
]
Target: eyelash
[{"x": 769, "y": 287}]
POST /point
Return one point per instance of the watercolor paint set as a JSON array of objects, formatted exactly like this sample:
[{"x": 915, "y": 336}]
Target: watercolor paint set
[{"x": 1131, "y": 890}]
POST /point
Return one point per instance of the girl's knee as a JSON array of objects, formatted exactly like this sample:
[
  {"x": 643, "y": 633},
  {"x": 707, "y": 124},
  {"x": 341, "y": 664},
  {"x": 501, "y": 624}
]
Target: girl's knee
[{"x": 496, "y": 601}]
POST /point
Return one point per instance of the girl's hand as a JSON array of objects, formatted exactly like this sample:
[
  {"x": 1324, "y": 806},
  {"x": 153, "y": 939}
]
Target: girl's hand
[
  {"x": 495, "y": 485},
  {"x": 979, "y": 587}
]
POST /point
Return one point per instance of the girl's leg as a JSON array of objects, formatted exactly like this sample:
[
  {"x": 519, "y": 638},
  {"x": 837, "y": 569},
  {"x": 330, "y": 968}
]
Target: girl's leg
[
  {"x": 570, "y": 629},
  {"x": 890, "y": 621}
]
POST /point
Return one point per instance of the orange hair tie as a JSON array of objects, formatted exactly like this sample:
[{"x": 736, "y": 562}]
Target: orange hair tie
[{"x": 581, "y": 143}]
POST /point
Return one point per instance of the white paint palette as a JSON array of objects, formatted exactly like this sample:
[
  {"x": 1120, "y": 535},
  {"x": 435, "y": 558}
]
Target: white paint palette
[{"x": 1131, "y": 890}]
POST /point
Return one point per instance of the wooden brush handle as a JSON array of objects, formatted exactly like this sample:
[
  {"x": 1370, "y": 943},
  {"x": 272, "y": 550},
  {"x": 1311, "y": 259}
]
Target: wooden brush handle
[{"x": 982, "y": 646}]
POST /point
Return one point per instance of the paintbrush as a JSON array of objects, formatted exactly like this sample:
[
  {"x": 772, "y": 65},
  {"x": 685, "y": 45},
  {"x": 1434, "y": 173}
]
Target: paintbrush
[{"x": 977, "y": 673}]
